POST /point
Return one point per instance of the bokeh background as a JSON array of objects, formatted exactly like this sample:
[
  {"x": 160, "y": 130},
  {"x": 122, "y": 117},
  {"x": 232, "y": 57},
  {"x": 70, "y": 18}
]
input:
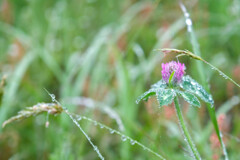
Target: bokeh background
[{"x": 100, "y": 52}]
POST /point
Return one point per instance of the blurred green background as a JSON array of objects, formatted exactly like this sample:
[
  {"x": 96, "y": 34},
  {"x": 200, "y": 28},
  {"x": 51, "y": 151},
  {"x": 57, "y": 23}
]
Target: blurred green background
[{"x": 103, "y": 50}]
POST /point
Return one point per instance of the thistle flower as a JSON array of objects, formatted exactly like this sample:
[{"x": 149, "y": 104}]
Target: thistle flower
[{"x": 177, "y": 68}]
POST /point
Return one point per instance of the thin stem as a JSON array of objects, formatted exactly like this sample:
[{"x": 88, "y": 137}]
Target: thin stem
[
  {"x": 85, "y": 134},
  {"x": 111, "y": 130},
  {"x": 185, "y": 130},
  {"x": 196, "y": 50}
]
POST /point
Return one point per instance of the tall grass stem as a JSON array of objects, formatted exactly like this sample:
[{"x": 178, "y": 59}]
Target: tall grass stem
[{"x": 202, "y": 76}]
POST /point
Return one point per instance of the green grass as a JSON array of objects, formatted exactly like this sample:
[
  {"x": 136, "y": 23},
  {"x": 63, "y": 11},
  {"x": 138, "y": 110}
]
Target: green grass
[{"x": 103, "y": 50}]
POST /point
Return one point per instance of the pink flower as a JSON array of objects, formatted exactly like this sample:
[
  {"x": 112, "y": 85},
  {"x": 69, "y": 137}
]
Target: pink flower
[{"x": 168, "y": 68}]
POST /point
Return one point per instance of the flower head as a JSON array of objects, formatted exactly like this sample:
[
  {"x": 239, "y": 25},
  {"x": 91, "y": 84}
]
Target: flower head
[{"x": 177, "y": 68}]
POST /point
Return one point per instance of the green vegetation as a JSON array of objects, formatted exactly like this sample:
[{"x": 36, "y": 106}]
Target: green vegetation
[{"x": 96, "y": 57}]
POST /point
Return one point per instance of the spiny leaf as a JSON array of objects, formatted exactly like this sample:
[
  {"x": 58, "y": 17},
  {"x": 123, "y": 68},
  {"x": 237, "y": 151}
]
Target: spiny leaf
[
  {"x": 165, "y": 96},
  {"x": 190, "y": 98},
  {"x": 194, "y": 87}
]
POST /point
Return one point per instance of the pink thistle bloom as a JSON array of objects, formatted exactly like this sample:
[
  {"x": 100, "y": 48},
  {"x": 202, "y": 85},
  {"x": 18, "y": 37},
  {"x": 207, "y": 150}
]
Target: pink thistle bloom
[{"x": 168, "y": 68}]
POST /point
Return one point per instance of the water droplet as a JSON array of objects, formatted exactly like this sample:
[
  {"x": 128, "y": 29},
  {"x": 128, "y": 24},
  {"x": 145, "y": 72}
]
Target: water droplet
[
  {"x": 225, "y": 77},
  {"x": 124, "y": 138},
  {"x": 188, "y": 21},
  {"x": 95, "y": 148},
  {"x": 132, "y": 142},
  {"x": 193, "y": 83},
  {"x": 47, "y": 124},
  {"x": 186, "y": 14},
  {"x": 112, "y": 131},
  {"x": 79, "y": 118},
  {"x": 53, "y": 97},
  {"x": 101, "y": 126},
  {"x": 198, "y": 93}
]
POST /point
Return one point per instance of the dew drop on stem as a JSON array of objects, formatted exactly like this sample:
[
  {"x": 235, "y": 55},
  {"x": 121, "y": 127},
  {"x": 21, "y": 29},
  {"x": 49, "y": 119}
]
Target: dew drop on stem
[
  {"x": 53, "y": 97},
  {"x": 111, "y": 131},
  {"x": 124, "y": 138},
  {"x": 132, "y": 142}
]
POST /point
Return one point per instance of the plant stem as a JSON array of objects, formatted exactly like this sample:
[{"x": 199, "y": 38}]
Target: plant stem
[
  {"x": 196, "y": 50},
  {"x": 185, "y": 130}
]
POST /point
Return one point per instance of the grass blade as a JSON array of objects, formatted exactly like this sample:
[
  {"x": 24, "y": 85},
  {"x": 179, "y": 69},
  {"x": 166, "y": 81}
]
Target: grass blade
[
  {"x": 13, "y": 85},
  {"x": 196, "y": 50}
]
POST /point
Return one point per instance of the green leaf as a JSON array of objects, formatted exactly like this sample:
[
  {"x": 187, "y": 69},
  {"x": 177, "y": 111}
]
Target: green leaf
[
  {"x": 165, "y": 96},
  {"x": 154, "y": 88},
  {"x": 190, "y": 85},
  {"x": 190, "y": 98},
  {"x": 146, "y": 95},
  {"x": 159, "y": 85},
  {"x": 171, "y": 76}
]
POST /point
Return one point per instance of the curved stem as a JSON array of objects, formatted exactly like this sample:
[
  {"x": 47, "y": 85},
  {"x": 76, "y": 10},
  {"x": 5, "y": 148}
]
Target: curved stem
[{"x": 185, "y": 130}]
